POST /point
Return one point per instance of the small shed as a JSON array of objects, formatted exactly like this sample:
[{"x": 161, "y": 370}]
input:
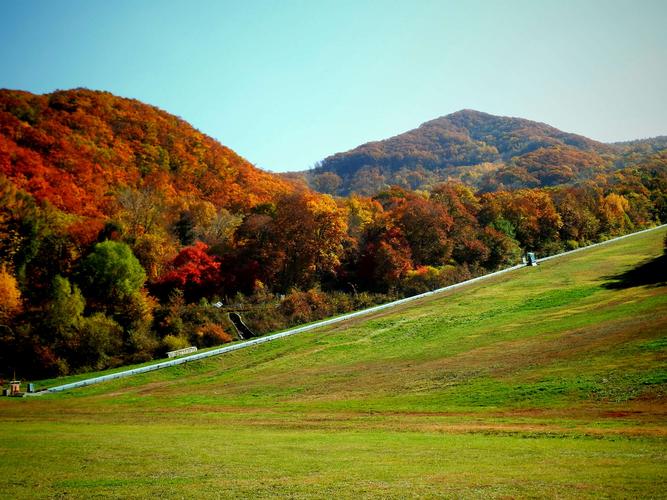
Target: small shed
[{"x": 14, "y": 387}]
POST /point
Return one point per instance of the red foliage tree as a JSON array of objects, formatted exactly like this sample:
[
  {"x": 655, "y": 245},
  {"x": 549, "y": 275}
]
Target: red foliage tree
[
  {"x": 194, "y": 271},
  {"x": 385, "y": 257}
]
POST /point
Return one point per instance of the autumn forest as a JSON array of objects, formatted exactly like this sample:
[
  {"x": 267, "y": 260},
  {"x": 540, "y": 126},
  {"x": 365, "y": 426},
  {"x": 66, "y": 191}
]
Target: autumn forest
[{"x": 121, "y": 225}]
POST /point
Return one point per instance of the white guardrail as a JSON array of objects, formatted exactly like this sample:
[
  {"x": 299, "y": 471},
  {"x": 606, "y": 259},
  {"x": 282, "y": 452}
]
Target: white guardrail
[{"x": 312, "y": 326}]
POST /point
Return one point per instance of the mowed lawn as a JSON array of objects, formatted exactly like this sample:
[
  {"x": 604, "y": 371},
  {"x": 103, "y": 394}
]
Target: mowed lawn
[{"x": 544, "y": 382}]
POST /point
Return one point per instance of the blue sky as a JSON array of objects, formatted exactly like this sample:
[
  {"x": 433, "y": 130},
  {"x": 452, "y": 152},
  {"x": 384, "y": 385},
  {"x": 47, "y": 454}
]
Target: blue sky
[{"x": 286, "y": 83}]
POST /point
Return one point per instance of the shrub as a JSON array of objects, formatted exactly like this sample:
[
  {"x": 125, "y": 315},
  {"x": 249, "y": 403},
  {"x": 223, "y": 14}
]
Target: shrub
[
  {"x": 341, "y": 302},
  {"x": 173, "y": 343},
  {"x": 454, "y": 274},
  {"x": 296, "y": 308},
  {"x": 210, "y": 335},
  {"x": 422, "y": 279},
  {"x": 265, "y": 320},
  {"x": 319, "y": 303}
]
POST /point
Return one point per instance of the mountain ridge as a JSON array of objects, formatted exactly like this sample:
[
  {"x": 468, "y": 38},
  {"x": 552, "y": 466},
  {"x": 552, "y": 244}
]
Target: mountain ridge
[{"x": 482, "y": 150}]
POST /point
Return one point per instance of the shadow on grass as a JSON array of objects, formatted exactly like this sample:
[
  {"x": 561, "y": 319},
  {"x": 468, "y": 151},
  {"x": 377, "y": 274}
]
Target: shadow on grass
[{"x": 653, "y": 272}]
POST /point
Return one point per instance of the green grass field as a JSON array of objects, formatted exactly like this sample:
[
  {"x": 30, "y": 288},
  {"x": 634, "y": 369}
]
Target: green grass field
[{"x": 544, "y": 382}]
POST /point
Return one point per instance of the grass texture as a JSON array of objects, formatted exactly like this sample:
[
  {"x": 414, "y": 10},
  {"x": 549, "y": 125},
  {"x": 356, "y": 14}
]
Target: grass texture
[{"x": 543, "y": 382}]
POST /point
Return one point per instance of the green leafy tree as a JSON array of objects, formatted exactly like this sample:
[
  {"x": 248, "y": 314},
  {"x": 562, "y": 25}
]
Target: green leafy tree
[
  {"x": 112, "y": 273},
  {"x": 99, "y": 339},
  {"x": 113, "y": 279},
  {"x": 64, "y": 314},
  {"x": 81, "y": 342}
]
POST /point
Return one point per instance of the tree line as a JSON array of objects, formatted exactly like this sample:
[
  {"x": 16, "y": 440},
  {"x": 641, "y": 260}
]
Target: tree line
[
  {"x": 121, "y": 226},
  {"x": 81, "y": 296}
]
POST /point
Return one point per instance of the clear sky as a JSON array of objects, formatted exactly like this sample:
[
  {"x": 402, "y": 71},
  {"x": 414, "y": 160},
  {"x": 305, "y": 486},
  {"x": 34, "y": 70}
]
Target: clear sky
[{"x": 286, "y": 83}]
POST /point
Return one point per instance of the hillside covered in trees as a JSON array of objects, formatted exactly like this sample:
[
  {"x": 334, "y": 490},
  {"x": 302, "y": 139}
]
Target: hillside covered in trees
[
  {"x": 486, "y": 152},
  {"x": 78, "y": 149},
  {"x": 121, "y": 225}
]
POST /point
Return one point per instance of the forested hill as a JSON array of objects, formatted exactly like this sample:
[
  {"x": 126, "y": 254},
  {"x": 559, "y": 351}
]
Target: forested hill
[
  {"x": 79, "y": 148},
  {"x": 121, "y": 226},
  {"x": 650, "y": 145},
  {"x": 485, "y": 151}
]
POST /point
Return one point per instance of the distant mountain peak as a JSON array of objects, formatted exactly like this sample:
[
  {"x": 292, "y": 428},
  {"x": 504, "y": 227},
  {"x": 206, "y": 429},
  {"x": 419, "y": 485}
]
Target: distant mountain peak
[{"x": 452, "y": 146}]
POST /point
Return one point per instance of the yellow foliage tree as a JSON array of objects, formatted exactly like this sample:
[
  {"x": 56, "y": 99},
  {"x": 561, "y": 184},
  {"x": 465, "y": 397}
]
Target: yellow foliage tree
[
  {"x": 613, "y": 209},
  {"x": 10, "y": 302}
]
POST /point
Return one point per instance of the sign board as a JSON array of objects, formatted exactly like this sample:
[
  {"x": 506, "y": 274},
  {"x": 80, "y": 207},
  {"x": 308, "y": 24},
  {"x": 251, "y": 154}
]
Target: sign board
[{"x": 181, "y": 352}]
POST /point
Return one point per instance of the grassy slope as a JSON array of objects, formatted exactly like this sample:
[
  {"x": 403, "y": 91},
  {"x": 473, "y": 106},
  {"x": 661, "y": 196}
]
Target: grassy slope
[{"x": 546, "y": 381}]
